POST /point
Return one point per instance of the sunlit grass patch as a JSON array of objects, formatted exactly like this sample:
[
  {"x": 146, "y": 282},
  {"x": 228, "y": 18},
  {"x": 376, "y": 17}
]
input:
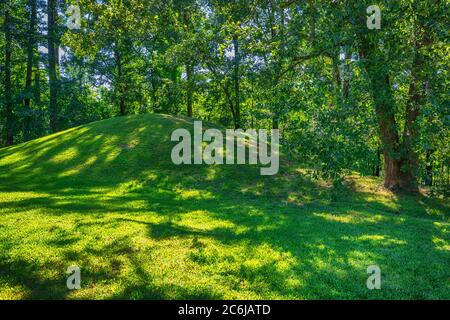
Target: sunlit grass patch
[{"x": 107, "y": 198}]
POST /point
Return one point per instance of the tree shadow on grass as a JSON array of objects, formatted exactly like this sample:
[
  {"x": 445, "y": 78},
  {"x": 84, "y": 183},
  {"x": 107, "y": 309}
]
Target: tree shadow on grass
[
  {"x": 142, "y": 228},
  {"x": 320, "y": 251}
]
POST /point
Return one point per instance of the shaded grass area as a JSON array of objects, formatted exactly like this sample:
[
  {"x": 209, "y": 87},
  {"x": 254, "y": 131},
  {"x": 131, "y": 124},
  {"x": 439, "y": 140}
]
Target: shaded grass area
[{"x": 107, "y": 198}]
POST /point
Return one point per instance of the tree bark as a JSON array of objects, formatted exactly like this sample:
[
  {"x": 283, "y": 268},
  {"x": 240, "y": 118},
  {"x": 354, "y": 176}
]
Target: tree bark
[
  {"x": 416, "y": 99},
  {"x": 9, "y": 103},
  {"x": 37, "y": 82},
  {"x": 400, "y": 160},
  {"x": 119, "y": 84},
  {"x": 346, "y": 74},
  {"x": 52, "y": 17},
  {"x": 237, "y": 111},
  {"x": 30, "y": 64},
  {"x": 378, "y": 75},
  {"x": 377, "y": 166},
  {"x": 275, "y": 122},
  {"x": 189, "y": 71},
  {"x": 429, "y": 168}
]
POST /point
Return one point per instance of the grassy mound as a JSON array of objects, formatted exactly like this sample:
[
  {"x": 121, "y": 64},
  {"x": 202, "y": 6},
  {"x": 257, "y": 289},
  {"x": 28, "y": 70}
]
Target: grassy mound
[{"x": 106, "y": 197}]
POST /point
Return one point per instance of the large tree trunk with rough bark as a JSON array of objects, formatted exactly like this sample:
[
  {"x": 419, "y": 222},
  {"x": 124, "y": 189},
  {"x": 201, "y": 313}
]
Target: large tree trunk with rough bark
[
  {"x": 377, "y": 72},
  {"x": 417, "y": 98},
  {"x": 400, "y": 159}
]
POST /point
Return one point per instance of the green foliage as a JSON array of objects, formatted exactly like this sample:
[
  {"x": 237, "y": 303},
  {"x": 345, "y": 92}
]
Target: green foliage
[{"x": 299, "y": 67}]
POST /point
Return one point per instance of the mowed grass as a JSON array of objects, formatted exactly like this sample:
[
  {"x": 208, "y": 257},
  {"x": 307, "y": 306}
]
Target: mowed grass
[{"x": 107, "y": 198}]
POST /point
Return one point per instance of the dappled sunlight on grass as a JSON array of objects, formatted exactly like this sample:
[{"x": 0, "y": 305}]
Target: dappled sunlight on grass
[
  {"x": 441, "y": 244},
  {"x": 355, "y": 217},
  {"x": 140, "y": 227},
  {"x": 376, "y": 239},
  {"x": 184, "y": 194},
  {"x": 65, "y": 156}
]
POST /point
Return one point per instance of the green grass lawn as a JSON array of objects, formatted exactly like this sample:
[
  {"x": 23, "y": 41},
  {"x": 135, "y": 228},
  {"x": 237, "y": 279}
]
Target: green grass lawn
[{"x": 107, "y": 198}]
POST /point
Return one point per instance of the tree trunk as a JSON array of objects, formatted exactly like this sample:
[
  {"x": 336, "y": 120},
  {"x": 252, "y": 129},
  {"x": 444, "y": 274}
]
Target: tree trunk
[
  {"x": 388, "y": 133},
  {"x": 30, "y": 64},
  {"x": 275, "y": 122},
  {"x": 392, "y": 178},
  {"x": 37, "y": 83},
  {"x": 429, "y": 168},
  {"x": 377, "y": 167},
  {"x": 384, "y": 108},
  {"x": 237, "y": 111},
  {"x": 9, "y": 103},
  {"x": 346, "y": 69},
  {"x": 122, "y": 106},
  {"x": 52, "y": 17},
  {"x": 400, "y": 160},
  {"x": 189, "y": 71},
  {"x": 416, "y": 99},
  {"x": 119, "y": 84}
]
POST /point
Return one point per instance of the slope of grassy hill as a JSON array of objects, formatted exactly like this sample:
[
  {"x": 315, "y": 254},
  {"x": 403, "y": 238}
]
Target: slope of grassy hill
[{"x": 106, "y": 197}]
